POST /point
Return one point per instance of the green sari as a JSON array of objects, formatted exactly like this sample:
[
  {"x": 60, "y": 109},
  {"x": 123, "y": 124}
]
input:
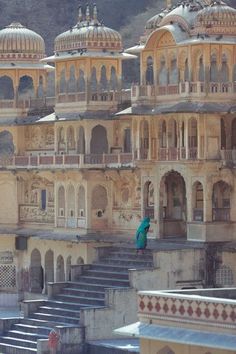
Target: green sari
[{"x": 141, "y": 234}]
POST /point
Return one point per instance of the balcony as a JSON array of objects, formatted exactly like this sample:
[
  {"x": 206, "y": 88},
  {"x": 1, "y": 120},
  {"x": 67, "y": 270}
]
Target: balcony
[
  {"x": 67, "y": 161},
  {"x": 228, "y": 157},
  {"x": 154, "y": 93},
  {"x": 221, "y": 214}
]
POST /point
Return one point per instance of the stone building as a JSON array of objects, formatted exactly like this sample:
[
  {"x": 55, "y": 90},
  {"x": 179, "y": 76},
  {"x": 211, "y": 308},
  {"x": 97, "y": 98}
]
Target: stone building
[{"x": 79, "y": 170}]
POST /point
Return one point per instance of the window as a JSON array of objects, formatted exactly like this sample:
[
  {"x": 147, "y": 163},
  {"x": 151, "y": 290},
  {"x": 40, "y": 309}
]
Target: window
[{"x": 43, "y": 199}]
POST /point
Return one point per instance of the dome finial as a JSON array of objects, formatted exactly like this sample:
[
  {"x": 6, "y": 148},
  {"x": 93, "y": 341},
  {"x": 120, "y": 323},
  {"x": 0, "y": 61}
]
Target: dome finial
[
  {"x": 95, "y": 12},
  {"x": 87, "y": 13},
  {"x": 80, "y": 17}
]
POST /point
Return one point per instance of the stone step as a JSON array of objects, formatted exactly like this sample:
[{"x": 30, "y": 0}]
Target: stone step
[
  {"x": 75, "y": 306},
  {"x": 7, "y": 348},
  {"x": 26, "y": 335},
  {"x": 81, "y": 299},
  {"x": 89, "y": 293},
  {"x": 61, "y": 311},
  {"x": 106, "y": 273},
  {"x": 139, "y": 263},
  {"x": 106, "y": 281},
  {"x": 80, "y": 285},
  {"x": 129, "y": 256},
  {"x": 55, "y": 318},
  {"x": 18, "y": 342},
  {"x": 112, "y": 267},
  {"x": 38, "y": 330}
]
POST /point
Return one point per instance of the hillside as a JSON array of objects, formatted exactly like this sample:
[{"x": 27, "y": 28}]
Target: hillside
[{"x": 51, "y": 17}]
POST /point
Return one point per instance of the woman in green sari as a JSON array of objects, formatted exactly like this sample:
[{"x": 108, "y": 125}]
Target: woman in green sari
[{"x": 141, "y": 235}]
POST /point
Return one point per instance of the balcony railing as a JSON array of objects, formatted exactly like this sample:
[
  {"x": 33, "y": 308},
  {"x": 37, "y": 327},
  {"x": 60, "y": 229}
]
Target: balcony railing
[
  {"x": 151, "y": 92},
  {"x": 228, "y": 156},
  {"x": 198, "y": 214},
  {"x": 221, "y": 214},
  {"x": 57, "y": 161},
  {"x": 31, "y": 103}
]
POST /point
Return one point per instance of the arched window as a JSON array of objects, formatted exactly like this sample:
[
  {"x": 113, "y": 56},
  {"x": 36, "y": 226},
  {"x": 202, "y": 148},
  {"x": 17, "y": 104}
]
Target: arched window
[
  {"x": 162, "y": 134},
  {"x": 172, "y": 133},
  {"x": 81, "y": 202},
  {"x": 127, "y": 140},
  {"x": 144, "y": 140},
  {"x": 174, "y": 73},
  {"x": 61, "y": 202},
  {"x": 213, "y": 69},
  {"x": 103, "y": 80},
  {"x": 26, "y": 87},
  {"x": 192, "y": 138},
  {"x": 198, "y": 201},
  {"x": 36, "y": 272},
  {"x": 221, "y": 201},
  {"x": 186, "y": 71},
  {"x": 6, "y": 88},
  {"x": 163, "y": 73},
  {"x": 40, "y": 88},
  {"x": 62, "y": 84},
  {"x": 6, "y": 143},
  {"x": 71, "y": 202},
  {"x": 81, "y": 142},
  {"x": 224, "y": 72},
  {"x": 149, "y": 71},
  {"x": 93, "y": 80},
  {"x": 72, "y": 84},
  {"x": 71, "y": 138},
  {"x": 99, "y": 142},
  {"x": 113, "y": 80},
  {"x": 49, "y": 267},
  {"x": 223, "y": 134},
  {"x": 68, "y": 269},
  {"x": 81, "y": 81},
  {"x": 148, "y": 200},
  {"x": 233, "y": 137},
  {"x": 60, "y": 270},
  {"x": 201, "y": 72}
]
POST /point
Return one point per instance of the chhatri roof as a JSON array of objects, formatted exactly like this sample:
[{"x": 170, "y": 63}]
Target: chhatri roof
[
  {"x": 89, "y": 34},
  {"x": 19, "y": 43}
]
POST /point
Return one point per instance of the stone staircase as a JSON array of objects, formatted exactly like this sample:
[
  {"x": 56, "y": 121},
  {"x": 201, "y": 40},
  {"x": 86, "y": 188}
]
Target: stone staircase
[{"x": 63, "y": 310}]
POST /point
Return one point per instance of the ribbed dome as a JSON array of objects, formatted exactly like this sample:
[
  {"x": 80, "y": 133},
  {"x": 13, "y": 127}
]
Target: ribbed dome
[
  {"x": 155, "y": 21},
  {"x": 19, "y": 43},
  {"x": 89, "y": 34},
  {"x": 218, "y": 18}
]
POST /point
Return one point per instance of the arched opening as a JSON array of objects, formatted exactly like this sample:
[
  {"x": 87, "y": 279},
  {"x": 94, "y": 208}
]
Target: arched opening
[
  {"x": 162, "y": 134},
  {"x": 70, "y": 140},
  {"x": 198, "y": 201},
  {"x": 99, "y": 203},
  {"x": 127, "y": 140},
  {"x": 221, "y": 201},
  {"x": 224, "y": 72},
  {"x": 192, "y": 138},
  {"x": 36, "y": 272},
  {"x": 103, "y": 79},
  {"x": 149, "y": 71},
  {"x": 81, "y": 81},
  {"x": 173, "y": 206},
  {"x": 93, "y": 80},
  {"x": 72, "y": 83},
  {"x": 68, "y": 269},
  {"x": 233, "y": 137},
  {"x": 81, "y": 204},
  {"x": 62, "y": 83},
  {"x": 172, "y": 134},
  {"x": 80, "y": 261},
  {"x": 113, "y": 80},
  {"x": 174, "y": 73},
  {"x": 71, "y": 217},
  {"x": 60, "y": 270},
  {"x": 61, "y": 140},
  {"x": 166, "y": 350},
  {"x": 81, "y": 141},
  {"x": 26, "y": 87},
  {"x": 40, "y": 88},
  {"x": 6, "y": 88},
  {"x": 49, "y": 268},
  {"x": 6, "y": 144},
  {"x": 148, "y": 200},
  {"x": 223, "y": 134},
  {"x": 99, "y": 142},
  {"x": 186, "y": 71},
  {"x": 201, "y": 72},
  {"x": 163, "y": 73},
  {"x": 144, "y": 140},
  {"x": 61, "y": 207},
  {"x": 213, "y": 69}
]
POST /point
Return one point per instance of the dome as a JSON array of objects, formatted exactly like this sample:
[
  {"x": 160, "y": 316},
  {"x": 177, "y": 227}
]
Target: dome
[
  {"x": 89, "y": 34},
  {"x": 19, "y": 43},
  {"x": 218, "y": 18},
  {"x": 154, "y": 22}
]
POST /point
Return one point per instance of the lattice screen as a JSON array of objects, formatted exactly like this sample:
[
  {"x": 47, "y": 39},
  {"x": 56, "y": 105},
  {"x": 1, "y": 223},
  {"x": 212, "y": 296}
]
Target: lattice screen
[
  {"x": 224, "y": 276},
  {"x": 7, "y": 276}
]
